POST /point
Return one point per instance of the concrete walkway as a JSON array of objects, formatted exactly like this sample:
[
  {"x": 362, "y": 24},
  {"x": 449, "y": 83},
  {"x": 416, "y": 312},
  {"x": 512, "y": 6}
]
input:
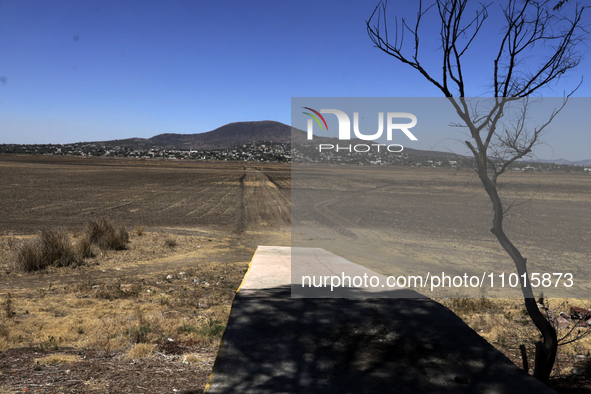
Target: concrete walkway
[{"x": 278, "y": 344}]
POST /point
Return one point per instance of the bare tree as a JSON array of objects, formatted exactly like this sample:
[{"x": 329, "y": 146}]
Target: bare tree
[{"x": 535, "y": 48}]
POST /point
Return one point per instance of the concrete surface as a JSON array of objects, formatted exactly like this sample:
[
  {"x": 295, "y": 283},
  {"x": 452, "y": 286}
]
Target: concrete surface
[{"x": 278, "y": 344}]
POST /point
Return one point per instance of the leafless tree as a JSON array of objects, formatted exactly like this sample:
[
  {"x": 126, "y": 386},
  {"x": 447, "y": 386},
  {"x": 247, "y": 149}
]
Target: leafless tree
[{"x": 535, "y": 48}]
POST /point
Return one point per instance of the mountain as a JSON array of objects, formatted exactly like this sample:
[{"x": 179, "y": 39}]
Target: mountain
[
  {"x": 235, "y": 134},
  {"x": 229, "y": 135}
]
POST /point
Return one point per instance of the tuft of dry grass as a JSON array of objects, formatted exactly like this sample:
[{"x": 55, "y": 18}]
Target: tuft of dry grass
[
  {"x": 58, "y": 358},
  {"x": 52, "y": 247},
  {"x": 106, "y": 235},
  {"x": 170, "y": 242},
  {"x": 85, "y": 247},
  {"x": 110, "y": 314},
  {"x": 140, "y": 350},
  {"x": 8, "y": 307},
  {"x": 193, "y": 358},
  {"x": 139, "y": 230}
]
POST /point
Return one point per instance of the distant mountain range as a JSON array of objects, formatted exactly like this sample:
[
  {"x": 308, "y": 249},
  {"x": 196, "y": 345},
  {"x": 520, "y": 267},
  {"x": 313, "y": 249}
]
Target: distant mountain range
[
  {"x": 230, "y": 135},
  {"x": 234, "y": 134}
]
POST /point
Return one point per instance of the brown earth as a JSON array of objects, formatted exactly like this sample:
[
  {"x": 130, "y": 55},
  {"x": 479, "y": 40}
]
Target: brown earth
[{"x": 212, "y": 214}]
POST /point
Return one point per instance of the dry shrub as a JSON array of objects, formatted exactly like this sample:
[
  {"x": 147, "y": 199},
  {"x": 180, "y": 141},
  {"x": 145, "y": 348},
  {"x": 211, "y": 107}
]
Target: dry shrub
[
  {"x": 108, "y": 237},
  {"x": 8, "y": 307},
  {"x": 85, "y": 247},
  {"x": 170, "y": 242},
  {"x": 193, "y": 358},
  {"x": 52, "y": 247},
  {"x": 4, "y": 333},
  {"x": 140, "y": 350},
  {"x": 58, "y": 359},
  {"x": 139, "y": 230}
]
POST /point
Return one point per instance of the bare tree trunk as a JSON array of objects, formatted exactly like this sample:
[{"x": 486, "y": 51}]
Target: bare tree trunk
[{"x": 546, "y": 350}]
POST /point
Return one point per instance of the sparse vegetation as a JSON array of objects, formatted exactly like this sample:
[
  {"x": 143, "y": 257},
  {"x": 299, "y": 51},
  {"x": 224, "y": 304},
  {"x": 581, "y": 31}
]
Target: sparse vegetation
[
  {"x": 170, "y": 242},
  {"x": 8, "y": 307},
  {"x": 192, "y": 358},
  {"x": 139, "y": 230},
  {"x": 52, "y": 248},
  {"x": 106, "y": 235},
  {"x": 93, "y": 308},
  {"x": 85, "y": 247},
  {"x": 209, "y": 329},
  {"x": 140, "y": 350},
  {"x": 58, "y": 359}
]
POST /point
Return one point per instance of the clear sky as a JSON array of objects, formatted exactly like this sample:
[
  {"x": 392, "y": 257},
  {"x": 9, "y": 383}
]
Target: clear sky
[{"x": 99, "y": 70}]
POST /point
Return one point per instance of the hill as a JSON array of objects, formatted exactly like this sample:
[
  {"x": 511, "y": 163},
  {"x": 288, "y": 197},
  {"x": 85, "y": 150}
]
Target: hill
[
  {"x": 232, "y": 134},
  {"x": 238, "y": 133}
]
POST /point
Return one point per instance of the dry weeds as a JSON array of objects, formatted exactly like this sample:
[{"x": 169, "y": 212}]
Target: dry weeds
[
  {"x": 58, "y": 358},
  {"x": 140, "y": 350},
  {"x": 506, "y": 325}
]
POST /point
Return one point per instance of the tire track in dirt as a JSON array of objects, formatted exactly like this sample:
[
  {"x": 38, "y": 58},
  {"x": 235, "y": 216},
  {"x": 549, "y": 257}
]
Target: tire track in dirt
[{"x": 241, "y": 209}]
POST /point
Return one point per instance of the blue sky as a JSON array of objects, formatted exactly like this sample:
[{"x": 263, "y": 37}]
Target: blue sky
[{"x": 100, "y": 70}]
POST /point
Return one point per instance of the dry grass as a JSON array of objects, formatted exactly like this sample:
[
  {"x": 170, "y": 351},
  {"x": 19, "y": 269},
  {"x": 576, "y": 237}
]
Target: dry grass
[
  {"x": 140, "y": 350},
  {"x": 139, "y": 230},
  {"x": 505, "y": 324},
  {"x": 193, "y": 358},
  {"x": 85, "y": 247},
  {"x": 170, "y": 242},
  {"x": 58, "y": 358},
  {"x": 106, "y": 235},
  {"x": 52, "y": 247},
  {"x": 113, "y": 313}
]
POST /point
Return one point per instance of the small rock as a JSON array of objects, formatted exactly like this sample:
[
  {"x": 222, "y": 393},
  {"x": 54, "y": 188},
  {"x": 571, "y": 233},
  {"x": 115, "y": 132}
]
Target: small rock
[
  {"x": 564, "y": 316},
  {"x": 196, "y": 281},
  {"x": 170, "y": 290},
  {"x": 562, "y": 322},
  {"x": 182, "y": 273},
  {"x": 95, "y": 286},
  {"x": 169, "y": 277}
]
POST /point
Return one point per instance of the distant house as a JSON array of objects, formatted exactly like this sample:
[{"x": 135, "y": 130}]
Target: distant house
[{"x": 587, "y": 169}]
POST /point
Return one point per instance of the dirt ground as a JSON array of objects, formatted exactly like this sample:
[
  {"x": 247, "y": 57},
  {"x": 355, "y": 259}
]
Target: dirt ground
[
  {"x": 193, "y": 229},
  {"x": 147, "y": 319}
]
